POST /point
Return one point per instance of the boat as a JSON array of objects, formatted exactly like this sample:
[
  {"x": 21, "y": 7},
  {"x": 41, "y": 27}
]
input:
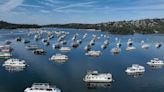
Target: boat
[
  {"x": 5, "y": 48},
  {"x": 155, "y": 62},
  {"x": 64, "y": 42},
  {"x": 116, "y": 50},
  {"x": 135, "y": 68},
  {"x": 87, "y": 48},
  {"x": 59, "y": 57},
  {"x": 75, "y": 45},
  {"x": 42, "y": 87},
  {"x": 5, "y": 55},
  {"x": 118, "y": 44},
  {"x": 144, "y": 45},
  {"x": 14, "y": 62},
  {"x": 26, "y": 41},
  {"x": 46, "y": 43},
  {"x": 95, "y": 77},
  {"x": 130, "y": 48},
  {"x": 85, "y": 35},
  {"x": 18, "y": 39},
  {"x": 130, "y": 42},
  {"x": 79, "y": 41},
  {"x": 31, "y": 47},
  {"x": 7, "y": 42},
  {"x": 56, "y": 45},
  {"x": 93, "y": 53},
  {"x": 92, "y": 42},
  {"x": 65, "y": 49},
  {"x": 39, "y": 52},
  {"x": 158, "y": 45}
]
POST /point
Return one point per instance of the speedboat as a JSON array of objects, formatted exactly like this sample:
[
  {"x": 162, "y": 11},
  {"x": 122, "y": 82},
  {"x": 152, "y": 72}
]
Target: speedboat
[
  {"x": 42, "y": 87},
  {"x": 155, "y": 62},
  {"x": 94, "y": 76},
  {"x": 135, "y": 68},
  {"x": 14, "y": 62},
  {"x": 59, "y": 57},
  {"x": 93, "y": 53}
]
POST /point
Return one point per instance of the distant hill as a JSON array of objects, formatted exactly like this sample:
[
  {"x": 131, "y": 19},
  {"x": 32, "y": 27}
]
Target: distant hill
[
  {"x": 145, "y": 26},
  {"x": 6, "y": 25}
]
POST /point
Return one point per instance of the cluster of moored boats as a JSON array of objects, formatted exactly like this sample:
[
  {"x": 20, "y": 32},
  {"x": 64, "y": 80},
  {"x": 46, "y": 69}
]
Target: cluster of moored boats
[{"x": 91, "y": 76}]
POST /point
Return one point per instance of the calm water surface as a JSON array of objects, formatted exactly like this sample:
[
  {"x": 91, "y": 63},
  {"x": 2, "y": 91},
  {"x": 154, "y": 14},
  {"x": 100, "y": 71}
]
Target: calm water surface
[{"x": 68, "y": 76}]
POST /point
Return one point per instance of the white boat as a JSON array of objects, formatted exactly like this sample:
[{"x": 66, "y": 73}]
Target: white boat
[
  {"x": 158, "y": 45},
  {"x": 93, "y": 53},
  {"x": 5, "y": 48},
  {"x": 155, "y": 61},
  {"x": 59, "y": 57},
  {"x": 130, "y": 48},
  {"x": 42, "y": 87},
  {"x": 14, "y": 62},
  {"x": 65, "y": 49},
  {"x": 118, "y": 44},
  {"x": 144, "y": 45},
  {"x": 94, "y": 76},
  {"x": 135, "y": 68},
  {"x": 116, "y": 50},
  {"x": 130, "y": 42},
  {"x": 5, "y": 55}
]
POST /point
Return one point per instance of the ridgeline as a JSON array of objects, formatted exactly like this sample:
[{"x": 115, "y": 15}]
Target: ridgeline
[{"x": 145, "y": 26}]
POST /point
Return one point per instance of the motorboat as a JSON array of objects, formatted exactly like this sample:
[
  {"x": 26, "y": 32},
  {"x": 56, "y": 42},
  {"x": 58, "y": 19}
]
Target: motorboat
[
  {"x": 116, "y": 50},
  {"x": 93, "y": 53},
  {"x": 94, "y": 76},
  {"x": 65, "y": 49},
  {"x": 135, "y": 68},
  {"x": 42, "y": 87},
  {"x": 59, "y": 57},
  {"x": 158, "y": 45},
  {"x": 130, "y": 48},
  {"x": 130, "y": 42},
  {"x": 5, "y": 48},
  {"x": 144, "y": 45},
  {"x": 14, "y": 62},
  {"x": 155, "y": 62}
]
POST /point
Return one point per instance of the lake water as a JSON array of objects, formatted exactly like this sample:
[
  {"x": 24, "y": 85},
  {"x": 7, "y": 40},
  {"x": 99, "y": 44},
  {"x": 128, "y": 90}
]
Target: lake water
[{"x": 68, "y": 76}]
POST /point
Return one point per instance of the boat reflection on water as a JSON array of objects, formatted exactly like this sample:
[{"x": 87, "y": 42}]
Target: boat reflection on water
[
  {"x": 59, "y": 61},
  {"x": 135, "y": 75},
  {"x": 153, "y": 67},
  {"x": 14, "y": 68},
  {"x": 92, "y": 85}
]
